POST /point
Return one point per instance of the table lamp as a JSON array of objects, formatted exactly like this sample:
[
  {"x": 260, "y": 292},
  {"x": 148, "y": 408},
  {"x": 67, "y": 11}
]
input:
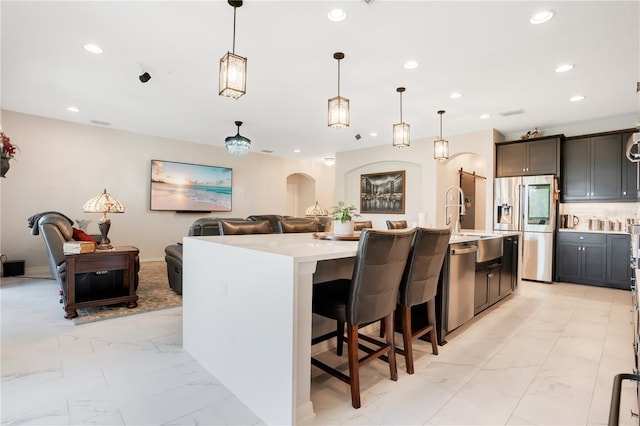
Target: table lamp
[{"x": 104, "y": 203}]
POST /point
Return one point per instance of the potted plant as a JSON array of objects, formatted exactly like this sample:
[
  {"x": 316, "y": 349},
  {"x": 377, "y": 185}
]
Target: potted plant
[
  {"x": 342, "y": 216},
  {"x": 7, "y": 152}
]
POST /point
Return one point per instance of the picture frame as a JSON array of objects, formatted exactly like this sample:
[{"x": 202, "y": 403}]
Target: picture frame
[{"x": 383, "y": 192}]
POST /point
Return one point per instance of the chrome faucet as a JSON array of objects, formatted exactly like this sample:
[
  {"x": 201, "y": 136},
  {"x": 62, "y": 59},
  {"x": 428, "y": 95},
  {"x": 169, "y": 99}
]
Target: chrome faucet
[{"x": 447, "y": 221}]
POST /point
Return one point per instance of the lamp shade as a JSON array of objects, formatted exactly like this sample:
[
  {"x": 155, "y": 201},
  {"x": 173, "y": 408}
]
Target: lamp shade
[
  {"x": 441, "y": 149},
  {"x": 103, "y": 203},
  {"x": 316, "y": 210},
  {"x": 401, "y": 135},
  {"x": 233, "y": 75},
  {"x": 338, "y": 112}
]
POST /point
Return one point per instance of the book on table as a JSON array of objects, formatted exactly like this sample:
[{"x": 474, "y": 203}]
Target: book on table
[{"x": 77, "y": 247}]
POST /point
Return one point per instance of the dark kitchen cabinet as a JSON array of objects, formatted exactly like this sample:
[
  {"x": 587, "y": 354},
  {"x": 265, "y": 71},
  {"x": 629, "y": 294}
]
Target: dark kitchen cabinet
[
  {"x": 487, "y": 286},
  {"x": 528, "y": 158},
  {"x": 592, "y": 168},
  {"x": 619, "y": 261},
  {"x": 496, "y": 280},
  {"x": 581, "y": 257},
  {"x": 630, "y": 178},
  {"x": 509, "y": 271}
]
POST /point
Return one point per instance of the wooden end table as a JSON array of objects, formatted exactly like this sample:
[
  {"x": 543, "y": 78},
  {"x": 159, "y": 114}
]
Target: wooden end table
[{"x": 116, "y": 259}]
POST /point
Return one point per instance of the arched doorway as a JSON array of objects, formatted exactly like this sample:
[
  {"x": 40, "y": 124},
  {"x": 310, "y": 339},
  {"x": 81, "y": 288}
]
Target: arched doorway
[{"x": 301, "y": 194}]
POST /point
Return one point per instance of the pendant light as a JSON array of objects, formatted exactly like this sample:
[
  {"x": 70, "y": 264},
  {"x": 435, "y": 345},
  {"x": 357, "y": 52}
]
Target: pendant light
[
  {"x": 401, "y": 130},
  {"x": 233, "y": 68},
  {"x": 441, "y": 146},
  {"x": 237, "y": 145},
  {"x": 338, "y": 106}
]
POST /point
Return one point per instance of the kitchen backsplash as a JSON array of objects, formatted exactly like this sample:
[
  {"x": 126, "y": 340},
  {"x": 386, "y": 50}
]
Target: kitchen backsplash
[{"x": 611, "y": 211}]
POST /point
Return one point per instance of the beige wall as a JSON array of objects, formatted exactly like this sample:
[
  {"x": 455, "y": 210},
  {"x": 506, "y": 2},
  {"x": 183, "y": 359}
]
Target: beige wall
[
  {"x": 61, "y": 165},
  {"x": 426, "y": 179}
]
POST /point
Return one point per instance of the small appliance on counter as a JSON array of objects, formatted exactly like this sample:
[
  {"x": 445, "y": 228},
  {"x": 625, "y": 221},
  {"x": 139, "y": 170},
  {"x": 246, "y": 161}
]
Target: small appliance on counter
[
  {"x": 596, "y": 224},
  {"x": 569, "y": 221}
]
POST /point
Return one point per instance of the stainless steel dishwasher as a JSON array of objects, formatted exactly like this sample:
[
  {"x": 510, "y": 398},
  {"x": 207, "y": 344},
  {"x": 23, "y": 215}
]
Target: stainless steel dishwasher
[{"x": 462, "y": 284}]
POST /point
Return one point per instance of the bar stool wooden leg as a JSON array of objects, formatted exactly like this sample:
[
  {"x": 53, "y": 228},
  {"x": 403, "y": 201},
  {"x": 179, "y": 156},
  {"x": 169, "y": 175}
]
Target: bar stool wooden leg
[
  {"x": 393, "y": 368},
  {"x": 431, "y": 319},
  {"x": 354, "y": 367},
  {"x": 407, "y": 337}
]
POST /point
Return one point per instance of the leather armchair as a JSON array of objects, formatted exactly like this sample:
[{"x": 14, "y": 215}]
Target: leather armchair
[
  {"x": 56, "y": 230},
  {"x": 173, "y": 257}
]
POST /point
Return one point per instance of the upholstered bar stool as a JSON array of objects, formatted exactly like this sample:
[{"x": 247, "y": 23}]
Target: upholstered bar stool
[
  {"x": 396, "y": 224},
  {"x": 419, "y": 285},
  {"x": 360, "y": 225},
  {"x": 370, "y": 295},
  {"x": 229, "y": 227}
]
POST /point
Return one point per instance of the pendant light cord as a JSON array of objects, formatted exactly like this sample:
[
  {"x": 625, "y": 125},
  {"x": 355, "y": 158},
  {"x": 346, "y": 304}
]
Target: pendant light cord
[
  {"x": 234, "y": 31},
  {"x": 401, "y": 107},
  {"x": 338, "y": 77}
]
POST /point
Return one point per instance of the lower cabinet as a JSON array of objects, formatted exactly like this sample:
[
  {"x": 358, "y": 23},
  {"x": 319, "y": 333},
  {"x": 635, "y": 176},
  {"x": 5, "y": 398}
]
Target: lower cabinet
[
  {"x": 593, "y": 258},
  {"x": 496, "y": 279},
  {"x": 487, "y": 285},
  {"x": 619, "y": 261}
]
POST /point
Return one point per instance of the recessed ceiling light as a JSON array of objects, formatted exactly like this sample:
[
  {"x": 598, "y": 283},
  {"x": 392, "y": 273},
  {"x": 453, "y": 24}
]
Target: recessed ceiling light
[
  {"x": 411, "y": 64},
  {"x": 576, "y": 98},
  {"x": 93, "y": 48},
  {"x": 297, "y": 151},
  {"x": 455, "y": 95},
  {"x": 483, "y": 116},
  {"x": 337, "y": 15},
  {"x": 73, "y": 109},
  {"x": 542, "y": 17},
  {"x": 329, "y": 161},
  {"x": 564, "y": 68},
  {"x": 373, "y": 134}
]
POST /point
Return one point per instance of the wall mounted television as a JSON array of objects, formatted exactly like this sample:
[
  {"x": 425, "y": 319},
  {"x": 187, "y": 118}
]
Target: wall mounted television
[{"x": 185, "y": 187}]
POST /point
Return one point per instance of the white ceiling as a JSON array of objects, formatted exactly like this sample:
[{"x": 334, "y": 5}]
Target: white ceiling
[{"x": 485, "y": 49}]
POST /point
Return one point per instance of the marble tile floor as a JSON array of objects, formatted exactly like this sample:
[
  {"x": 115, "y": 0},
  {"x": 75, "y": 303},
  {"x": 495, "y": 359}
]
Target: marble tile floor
[{"x": 543, "y": 356}]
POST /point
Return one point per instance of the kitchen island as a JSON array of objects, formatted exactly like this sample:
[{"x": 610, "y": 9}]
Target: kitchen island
[{"x": 247, "y": 315}]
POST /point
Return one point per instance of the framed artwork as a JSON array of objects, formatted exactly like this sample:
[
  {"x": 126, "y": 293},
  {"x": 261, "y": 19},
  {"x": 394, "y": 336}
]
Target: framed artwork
[
  {"x": 382, "y": 192},
  {"x": 185, "y": 187}
]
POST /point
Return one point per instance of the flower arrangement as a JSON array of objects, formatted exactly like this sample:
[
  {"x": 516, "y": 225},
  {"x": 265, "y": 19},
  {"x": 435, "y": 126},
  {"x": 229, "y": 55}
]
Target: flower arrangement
[
  {"x": 7, "y": 149},
  {"x": 343, "y": 212}
]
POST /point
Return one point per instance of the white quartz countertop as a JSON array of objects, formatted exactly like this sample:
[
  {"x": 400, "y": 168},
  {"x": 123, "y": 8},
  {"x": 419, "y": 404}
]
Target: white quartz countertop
[{"x": 303, "y": 245}]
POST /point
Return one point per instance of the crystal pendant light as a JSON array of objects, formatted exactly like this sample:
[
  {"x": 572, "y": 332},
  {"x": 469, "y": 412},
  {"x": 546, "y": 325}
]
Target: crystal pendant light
[
  {"x": 237, "y": 145},
  {"x": 441, "y": 146},
  {"x": 401, "y": 130},
  {"x": 233, "y": 68},
  {"x": 338, "y": 106}
]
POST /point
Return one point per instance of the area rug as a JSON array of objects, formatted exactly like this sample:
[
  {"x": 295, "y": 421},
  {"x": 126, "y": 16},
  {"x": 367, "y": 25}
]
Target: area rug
[{"x": 153, "y": 291}]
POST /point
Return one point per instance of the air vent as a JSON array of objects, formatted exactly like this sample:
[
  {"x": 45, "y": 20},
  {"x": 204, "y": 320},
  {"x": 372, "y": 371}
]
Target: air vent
[
  {"x": 513, "y": 112},
  {"x": 101, "y": 123},
  {"x": 267, "y": 151}
]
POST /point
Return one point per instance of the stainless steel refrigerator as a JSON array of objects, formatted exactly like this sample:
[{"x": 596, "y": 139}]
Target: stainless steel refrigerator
[{"x": 528, "y": 204}]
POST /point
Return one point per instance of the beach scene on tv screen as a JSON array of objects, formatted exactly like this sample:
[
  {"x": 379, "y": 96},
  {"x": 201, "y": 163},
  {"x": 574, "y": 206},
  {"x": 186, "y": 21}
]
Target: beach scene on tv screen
[{"x": 181, "y": 186}]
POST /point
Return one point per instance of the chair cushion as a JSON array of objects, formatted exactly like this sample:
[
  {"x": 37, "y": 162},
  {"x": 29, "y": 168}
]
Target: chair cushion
[
  {"x": 330, "y": 299},
  {"x": 244, "y": 227}
]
